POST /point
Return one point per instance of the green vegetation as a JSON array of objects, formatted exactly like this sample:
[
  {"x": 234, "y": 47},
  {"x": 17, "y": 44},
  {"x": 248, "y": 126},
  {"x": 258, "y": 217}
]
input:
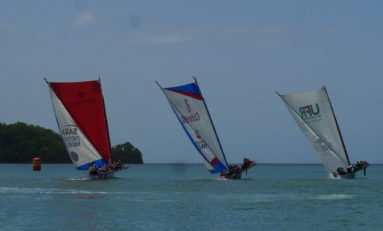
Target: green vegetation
[
  {"x": 20, "y": 143},
  {"x": 127, "y": 153}
]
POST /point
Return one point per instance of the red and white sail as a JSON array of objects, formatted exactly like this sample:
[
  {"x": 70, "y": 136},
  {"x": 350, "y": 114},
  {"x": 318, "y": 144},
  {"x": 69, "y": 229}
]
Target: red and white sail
[{"x": 81, "y": 117}]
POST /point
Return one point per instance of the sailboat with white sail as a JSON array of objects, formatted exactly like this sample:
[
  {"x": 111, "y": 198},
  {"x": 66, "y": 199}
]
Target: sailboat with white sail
[
  {"x": 191, "y": 110},
  {"x": 314, "y": 114},
  {"x": 81, "y": 117}
]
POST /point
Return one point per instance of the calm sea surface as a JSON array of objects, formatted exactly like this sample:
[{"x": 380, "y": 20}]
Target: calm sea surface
[{"x": 186, "y": 197}]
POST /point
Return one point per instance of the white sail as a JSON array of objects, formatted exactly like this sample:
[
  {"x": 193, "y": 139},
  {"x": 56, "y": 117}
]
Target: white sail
[
  {"x": 313, "y": 113},
  {"x": 80, "y": 150},
  {"x": 190, "y": 109}
]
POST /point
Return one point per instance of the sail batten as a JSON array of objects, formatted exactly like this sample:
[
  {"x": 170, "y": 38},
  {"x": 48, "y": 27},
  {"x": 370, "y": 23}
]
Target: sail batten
[
  {"x": 191, "y": 111},
  {"x": 314, "y": 115}
]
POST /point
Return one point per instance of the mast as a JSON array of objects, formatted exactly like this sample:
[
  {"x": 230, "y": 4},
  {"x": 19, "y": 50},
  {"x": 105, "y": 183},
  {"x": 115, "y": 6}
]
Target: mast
[
  {"x": 337, "y": 126},
  {"x": 106, "y": 123},
  {"x": 211, "y": 121}
]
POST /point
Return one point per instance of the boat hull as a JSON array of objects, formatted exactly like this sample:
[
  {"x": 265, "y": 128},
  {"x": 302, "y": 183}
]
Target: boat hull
[
  {"x": 238, "y": 175},
  {"x": 233, "y": 177},
  {"x": 106, "y": 174},
  {"x": 348, "y": 176}
]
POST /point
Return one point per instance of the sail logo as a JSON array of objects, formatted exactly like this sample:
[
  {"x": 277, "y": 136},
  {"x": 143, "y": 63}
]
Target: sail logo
[
  {"x": 201, "y": 144},
  {"x": 69, "y": 130},
  {"x": 191, "y": 118},
  {"x": 322, "y": 146},
  {"x": 73, "y": 156},
  {"x": 81, "y": 94},
  {"x": 188, "y": 108},
  {"x": 70, "y": 136},
  {"x": 308, "y": 111}
]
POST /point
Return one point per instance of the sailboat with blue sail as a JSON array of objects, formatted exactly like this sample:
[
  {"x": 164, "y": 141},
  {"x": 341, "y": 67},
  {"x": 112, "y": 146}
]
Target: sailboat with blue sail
[{"x": 191, "y": 111}]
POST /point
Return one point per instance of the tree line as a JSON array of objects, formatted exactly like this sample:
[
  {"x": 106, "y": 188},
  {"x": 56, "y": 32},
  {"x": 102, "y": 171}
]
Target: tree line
[{"x": 20, "y": 143}]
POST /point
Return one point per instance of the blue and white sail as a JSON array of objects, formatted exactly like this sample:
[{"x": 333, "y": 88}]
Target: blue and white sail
[
  {"x": 313, "y": 112},
  {"x": 190, "y": 108}
]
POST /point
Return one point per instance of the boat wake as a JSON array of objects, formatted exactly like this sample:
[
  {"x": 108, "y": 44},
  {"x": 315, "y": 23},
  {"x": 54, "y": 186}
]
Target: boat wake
[
  {"x": 331, "y": 176},
  {"x": 46, "y": 191}
]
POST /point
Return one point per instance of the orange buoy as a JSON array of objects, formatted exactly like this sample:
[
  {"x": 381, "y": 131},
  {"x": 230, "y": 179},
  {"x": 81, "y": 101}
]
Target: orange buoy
[{"x": 36, "y": 162}]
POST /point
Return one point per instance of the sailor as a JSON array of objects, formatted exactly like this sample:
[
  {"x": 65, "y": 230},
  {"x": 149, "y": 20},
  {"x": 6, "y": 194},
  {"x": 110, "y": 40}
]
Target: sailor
[
  {"x": 233, "y": 170},
  {"x": 92, "y": 170},
  {"x": 105, "y": 167},
  {"x": 350, "y": 168},
  {"x": 341, "y": 171},
  {"x": 236, "y": 169},
  {"x": 112, "y": 165},
  {"x": 119, "y": 164},
  {"x": 229, "y": 173},
  {"x": 246, "y": 163}
]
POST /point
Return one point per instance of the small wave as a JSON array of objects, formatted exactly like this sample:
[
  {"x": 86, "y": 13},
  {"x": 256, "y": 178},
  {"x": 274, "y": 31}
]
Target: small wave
[
  {"x": 244, "y": 209},
  {"x": 333, "y": 197},
  {"x": 78, "y": 179}
]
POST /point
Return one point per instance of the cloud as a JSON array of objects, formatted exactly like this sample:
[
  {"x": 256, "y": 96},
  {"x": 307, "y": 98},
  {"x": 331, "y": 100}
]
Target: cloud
[
  {"x": 9, "y": 28},
  {"x": 162, "y": 38},
  {"x": 179, "y": 35},
  {"x": 83, "y": 19},
  {"x": 165, "y": 35},
  {"x": 253, "y": 29}
]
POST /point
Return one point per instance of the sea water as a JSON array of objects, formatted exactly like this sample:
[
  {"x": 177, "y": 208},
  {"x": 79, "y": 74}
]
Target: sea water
[{"x": 186, "y": 197}]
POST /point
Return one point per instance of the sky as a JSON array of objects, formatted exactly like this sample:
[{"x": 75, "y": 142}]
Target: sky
[{"x": 240, "y": 52}]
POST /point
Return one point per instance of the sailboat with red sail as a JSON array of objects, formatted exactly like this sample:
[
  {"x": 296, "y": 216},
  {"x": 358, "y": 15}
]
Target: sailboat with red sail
[{"x": 81, "y": 117}]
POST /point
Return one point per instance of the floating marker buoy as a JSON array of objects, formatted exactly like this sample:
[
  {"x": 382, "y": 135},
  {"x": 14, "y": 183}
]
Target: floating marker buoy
[{"x": 36, "y": 162}]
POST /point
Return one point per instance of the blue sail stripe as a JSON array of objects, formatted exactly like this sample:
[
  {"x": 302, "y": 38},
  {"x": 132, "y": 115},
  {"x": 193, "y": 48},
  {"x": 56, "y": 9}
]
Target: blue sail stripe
[
  {"x": 98, "y": 163},
  {"x": 220, "y": 167},
  {"x": 190, "y": 88}
]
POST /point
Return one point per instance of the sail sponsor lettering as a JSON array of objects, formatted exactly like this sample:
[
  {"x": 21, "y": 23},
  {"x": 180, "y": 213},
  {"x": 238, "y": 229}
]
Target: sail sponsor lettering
[
  {"x": 69, "y": 131},
  {"x": 201, "y": 144},
  {"x": 191, "y": 118},
  {"x": 70, "y": 136},
  {"x": 308, "y": 111},
  {"x": 187, "y": 105},
  {"x": 322, "y": 146}
]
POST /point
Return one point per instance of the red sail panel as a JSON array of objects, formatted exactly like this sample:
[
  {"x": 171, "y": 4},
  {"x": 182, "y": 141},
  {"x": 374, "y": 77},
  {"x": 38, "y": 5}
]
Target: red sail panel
[{"x": 85, "y": 104}]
